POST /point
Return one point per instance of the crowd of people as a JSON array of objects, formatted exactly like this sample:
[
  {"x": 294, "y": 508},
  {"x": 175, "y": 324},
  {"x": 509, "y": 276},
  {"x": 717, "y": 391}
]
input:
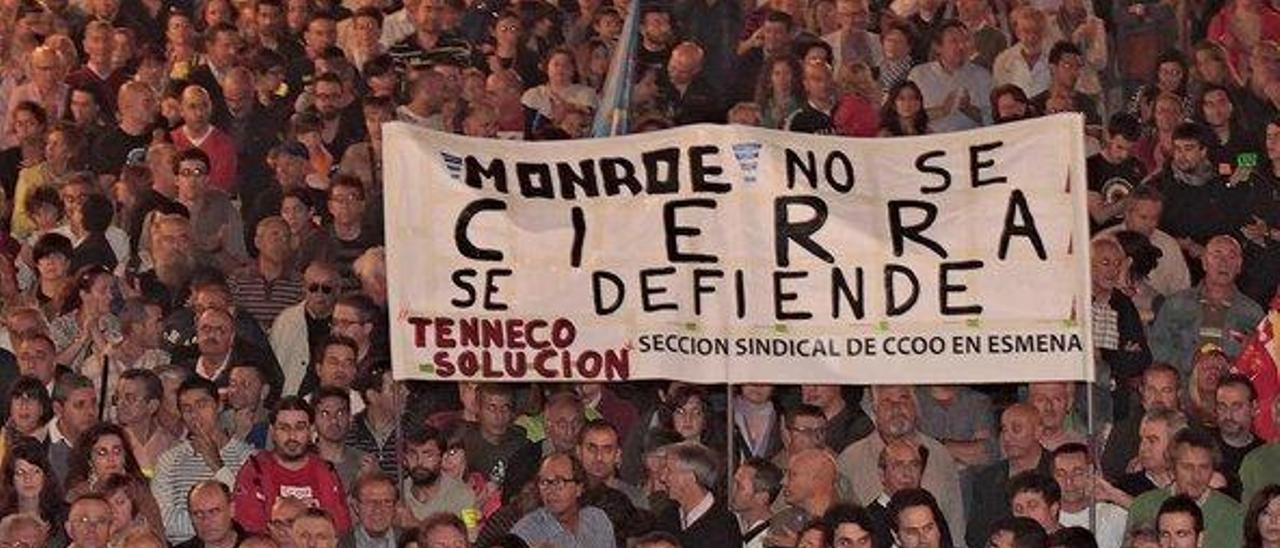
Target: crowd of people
[{"x": 193, "y": 292}]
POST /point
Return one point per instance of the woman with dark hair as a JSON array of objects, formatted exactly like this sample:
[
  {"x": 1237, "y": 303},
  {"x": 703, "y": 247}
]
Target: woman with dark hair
[
  {"x": 86, "y": 322},
  {"x": 1171, "y": 76},
  {"x": 90, "y": 222},
  {"x": 1141, "y": 256},
  {"x": 509, "y": 50},
  {"x": 1262, "y": 520},
  {"x": 30, "y": 409},
  {"x": 28, "y": 122},
  {"x": 778, "y": 92},
  {"x": 30, "y": 484},
  {"x": 52, "y": 257},
  {"x": 1010, "y": 104},
  {"x": 103, "y": 451},
  {"x": 688, "y": 413},
  {"x": 903, "y": 112}
]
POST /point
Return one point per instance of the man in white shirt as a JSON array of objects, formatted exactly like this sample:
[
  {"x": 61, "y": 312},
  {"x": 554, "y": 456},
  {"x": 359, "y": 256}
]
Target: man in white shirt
[
  {"x": 955, "y": 90},
  {"x": 853, "y": 42},
  {"x": 1072, "y": 468},
  {"x": 1026, "y": 63}
]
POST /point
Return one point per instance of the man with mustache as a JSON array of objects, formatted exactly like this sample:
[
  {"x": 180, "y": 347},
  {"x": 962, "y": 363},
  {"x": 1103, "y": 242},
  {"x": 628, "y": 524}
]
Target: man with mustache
[
  {"x": 426, "y": 490},
  {"x": 289, "y": 469}
]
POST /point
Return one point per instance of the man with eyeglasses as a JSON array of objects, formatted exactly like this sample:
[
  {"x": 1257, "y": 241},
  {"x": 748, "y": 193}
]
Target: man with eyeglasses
[
  {"x": 217, "y": 229},
  {"x": 89, "y": 522},
  {"x": 1235, "y": 406},
  {"x": 270, "y": 285},
  {"x": 299, "y": 331},
  {"x": 804, "y": 427},
  {"x": 219, "y": 347},
  {"x": 23, "y": 530},
  {"x": 356, "y": 317},
  {"x": 207, "y": 453},
  {"x": 351, "y": 235},
  {"x": 562, "y": 521},
  {"x": 375, "y": 497},
  {"x": 290, "y": 468},
  {"x": 1073, "y": 469},
  {"x": 426, "y": 490},
  {"x": 210, "y": 504}
]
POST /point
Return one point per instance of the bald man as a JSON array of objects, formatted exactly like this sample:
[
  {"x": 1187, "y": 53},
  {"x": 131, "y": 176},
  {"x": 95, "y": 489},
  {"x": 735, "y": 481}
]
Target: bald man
[
  {"x": 1020, "y": 432},
  {"x": 1213, "y": 312},
  {"x": 44, "y": 87},
  {"x": 901, "y": 466},
  {"x": 197, "y": 131},
  {"x": 809, "y": 489},
  {"x": 687, "y": 92}
]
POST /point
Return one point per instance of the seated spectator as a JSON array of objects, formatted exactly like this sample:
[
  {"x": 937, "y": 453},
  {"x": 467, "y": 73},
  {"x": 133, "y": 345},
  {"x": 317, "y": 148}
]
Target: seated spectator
[
  {"x": 88, "y": 522},
  {"x": 269, "y": 285},
  {"x": 426, "y": 490},
  {"x": 698, "y": 515},
  {"x": 756, "y": 484},
  {"x": 1025, "y": 63},
  {"x": 208, "y": 453},
  {"x": 561, "y": 520},
  {"x": 1056, "y": 403},
  {"x": 211, "y": 513},
  {"x": 1020, "y": 427},
  {"x": 1151, "y": 469},
  {"x": 1194, "y": 456},
  {"x": 896, "y": 419},
  {"x": 1010, "y": 531},
  {"x": 289, "y": 467},
  {"x": 1037, "y": 496},
  {"x": 1073, "y": 469},
  {"x": 1209, "y": 313},
  {"x": 916, "y": 520}
]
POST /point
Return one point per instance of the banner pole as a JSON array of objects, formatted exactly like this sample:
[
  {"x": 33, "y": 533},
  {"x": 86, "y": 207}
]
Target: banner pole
[
  {"x": 730, "y": 454},
  {"x": 1094, "y": 456}
]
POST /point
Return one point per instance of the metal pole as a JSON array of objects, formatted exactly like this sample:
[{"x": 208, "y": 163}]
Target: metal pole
[{"x": 1093, "y": 452}]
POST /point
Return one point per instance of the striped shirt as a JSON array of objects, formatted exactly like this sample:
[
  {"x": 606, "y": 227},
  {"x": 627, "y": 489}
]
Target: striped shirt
[
  {"x": 262, "y": 299},
  {"x": 384, "y": 450},
  {"x": 178, "y": 470}
]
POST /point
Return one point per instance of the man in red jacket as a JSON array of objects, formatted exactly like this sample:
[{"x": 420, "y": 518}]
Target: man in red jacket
[{"x": 290, "y": 469}]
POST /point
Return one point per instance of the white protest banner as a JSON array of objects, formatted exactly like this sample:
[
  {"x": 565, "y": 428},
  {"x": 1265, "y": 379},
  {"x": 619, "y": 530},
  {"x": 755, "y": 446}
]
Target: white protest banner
[{"x": 733, "y": 254}]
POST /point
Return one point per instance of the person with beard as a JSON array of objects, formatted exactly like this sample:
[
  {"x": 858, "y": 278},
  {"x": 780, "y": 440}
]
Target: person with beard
[
  {"x": 290, "y": 468},
  {"x": 1198, "y": 202},
  {"x": 166, "y": 280},
  {"x": 426, "y": 490},
  {"x": 342, "y": 124}
]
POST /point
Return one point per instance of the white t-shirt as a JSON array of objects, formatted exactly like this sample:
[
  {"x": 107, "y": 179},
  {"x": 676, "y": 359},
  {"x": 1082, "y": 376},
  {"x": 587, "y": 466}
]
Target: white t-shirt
[{"x": 1111, "y": 520}]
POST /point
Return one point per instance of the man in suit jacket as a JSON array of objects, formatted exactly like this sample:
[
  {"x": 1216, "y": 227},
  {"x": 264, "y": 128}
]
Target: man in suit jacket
[
  {"x": 220, "y": 347},
  {"x": 698, "y": 518}
]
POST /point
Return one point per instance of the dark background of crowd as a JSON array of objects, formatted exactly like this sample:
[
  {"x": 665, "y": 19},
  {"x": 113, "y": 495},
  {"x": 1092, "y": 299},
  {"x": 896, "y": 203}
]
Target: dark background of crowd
[{"x": 193, "y": 284}]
